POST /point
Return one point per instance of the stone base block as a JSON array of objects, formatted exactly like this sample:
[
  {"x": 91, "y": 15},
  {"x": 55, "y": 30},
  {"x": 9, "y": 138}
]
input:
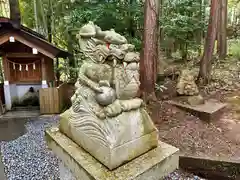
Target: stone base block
[
  {"x": 65, "y": 173},
  {"x": 153, "y": 165},
  {"x": 113, "y": 141},
  {"x": 210, "y": 110}
]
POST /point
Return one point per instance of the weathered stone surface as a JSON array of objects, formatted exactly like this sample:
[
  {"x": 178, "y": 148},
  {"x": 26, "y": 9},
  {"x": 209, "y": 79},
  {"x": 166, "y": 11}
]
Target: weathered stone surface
[
  {"x": 186, "y": 84},
  {"x": 107, "y": 118},
  {"x": 196, "y": 100},
  {"x": 65, "y": 173},
  {"x": 113, "y": 141},
  {"x": 211, "y": 168},
  {"x": 152, "y": 165},
  {"x": 210, "y": 110}
]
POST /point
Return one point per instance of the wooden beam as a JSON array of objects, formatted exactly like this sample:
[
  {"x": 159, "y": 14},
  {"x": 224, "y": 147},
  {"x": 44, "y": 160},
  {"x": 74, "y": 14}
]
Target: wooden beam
[
  {"x": 211, "y": 168},
  {"x": 32, "y": 45},
  {"x": 22, "y": 55},
  {"x": 5, "y": 38}
]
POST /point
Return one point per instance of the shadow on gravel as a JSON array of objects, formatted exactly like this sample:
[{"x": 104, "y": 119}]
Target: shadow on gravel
[
  {"x": 9, "y": 130},
  {"x": 12, "y": 128}
]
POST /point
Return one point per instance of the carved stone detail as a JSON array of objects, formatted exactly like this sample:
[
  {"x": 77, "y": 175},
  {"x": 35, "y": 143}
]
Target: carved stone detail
[{"x": 106, "y": 116}]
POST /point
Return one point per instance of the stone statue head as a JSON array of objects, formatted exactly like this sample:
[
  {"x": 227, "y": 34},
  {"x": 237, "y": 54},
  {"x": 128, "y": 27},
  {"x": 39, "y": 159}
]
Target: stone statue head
[
  {"x": 87, "y": 31},
  {"x": 187, "y": 75},
  {"x": 127, "y": 47},
  {"x": 114, "y": 38},
  {"x": 116, "y": 52}
]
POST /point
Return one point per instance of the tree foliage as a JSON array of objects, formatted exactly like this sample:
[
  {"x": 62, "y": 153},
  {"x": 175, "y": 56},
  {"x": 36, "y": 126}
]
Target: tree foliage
[{"x": 183, "y": 22}]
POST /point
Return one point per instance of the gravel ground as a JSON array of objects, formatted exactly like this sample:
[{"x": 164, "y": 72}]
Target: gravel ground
[
  {"x": 180, "y": 175},
  {"x": 27, "y": 157}
]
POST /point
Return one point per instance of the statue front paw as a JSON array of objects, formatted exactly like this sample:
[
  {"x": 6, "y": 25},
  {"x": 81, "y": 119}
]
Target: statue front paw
[
  {"x": 101, "y": 114},
  {"x": 113, "y": 109},
  {"x": 128, "y": 105},
  {"x": 98, "y": 90}
]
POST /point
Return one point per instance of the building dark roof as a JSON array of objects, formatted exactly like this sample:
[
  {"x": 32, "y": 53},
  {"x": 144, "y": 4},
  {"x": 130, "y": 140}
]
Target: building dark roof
[{"x": 7, "y": 28}]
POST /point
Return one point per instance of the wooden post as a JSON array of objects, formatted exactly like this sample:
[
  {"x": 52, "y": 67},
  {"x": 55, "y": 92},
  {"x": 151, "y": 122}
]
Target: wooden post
[
  {"x": 7, "y": 91},
  {"x": 57, "y": 72},
  {"x": 6, "y": 68},
  {"x": 44, "y": 73},
  {"x": 2, "y": 111}
]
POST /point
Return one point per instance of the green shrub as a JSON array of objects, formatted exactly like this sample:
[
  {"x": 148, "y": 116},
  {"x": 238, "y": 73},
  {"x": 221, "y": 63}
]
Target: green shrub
[{"x": 234, "y": 48}]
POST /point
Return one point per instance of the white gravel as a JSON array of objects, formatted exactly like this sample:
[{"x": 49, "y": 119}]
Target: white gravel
[
  {"x": 180, "y": 175},
  {"x": 27, "y": 157}
]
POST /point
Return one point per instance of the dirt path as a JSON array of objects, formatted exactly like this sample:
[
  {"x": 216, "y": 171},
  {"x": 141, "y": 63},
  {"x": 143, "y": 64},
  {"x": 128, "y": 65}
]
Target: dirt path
[{"x": 220, "y": 138}]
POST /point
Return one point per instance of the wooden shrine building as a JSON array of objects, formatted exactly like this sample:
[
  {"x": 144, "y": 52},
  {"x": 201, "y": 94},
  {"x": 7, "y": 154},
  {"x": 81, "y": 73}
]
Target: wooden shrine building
[{"x": 27, "y": 59}]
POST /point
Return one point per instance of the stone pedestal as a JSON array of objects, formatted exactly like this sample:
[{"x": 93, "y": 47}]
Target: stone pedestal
[
  {"x": 113, "y": 141},
  {"x": 65, "y": 173},
  {"x": 153, "y": 165}
]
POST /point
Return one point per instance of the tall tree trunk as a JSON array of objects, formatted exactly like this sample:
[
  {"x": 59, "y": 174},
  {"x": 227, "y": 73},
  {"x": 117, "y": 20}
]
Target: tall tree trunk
[
  {"x": 49, "y": 22},
  {"x": 148, "y": 62},
  {"x": 161, "y": 64},
  {"x": 131, "y": 24},
  {"x": 44, "y": 25},
  {"x": 49, "y": 28},
  {"x": 15, "y": 15},
  {"x": 57, "y": 72},
  {"x": 199, "y": 33},
  {"x": 71, "y": 60},
  {"x": 161, "y": 13},
  {"x": 36, "y": 16},
  {"x": 205, "y": 4},
  {"x": 222, "y": 29},
  {"x": 206, "y": 61},
  {"x": 233, "y": 15}
]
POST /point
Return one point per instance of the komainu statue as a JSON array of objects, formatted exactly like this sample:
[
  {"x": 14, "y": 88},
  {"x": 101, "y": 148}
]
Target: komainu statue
[{"x": 107, "y": 118}]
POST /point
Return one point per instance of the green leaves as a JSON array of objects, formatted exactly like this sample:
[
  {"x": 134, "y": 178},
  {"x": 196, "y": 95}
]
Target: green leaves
[{"x": 182, "y": 21}]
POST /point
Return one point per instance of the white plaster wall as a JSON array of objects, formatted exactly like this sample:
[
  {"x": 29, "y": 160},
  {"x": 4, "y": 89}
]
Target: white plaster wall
[
  {"x": 7, "y": 95},
  {"x": 13, "y": 91},
  {"x": 18, "y": 90},
  {"x": 23, "y": 88}
]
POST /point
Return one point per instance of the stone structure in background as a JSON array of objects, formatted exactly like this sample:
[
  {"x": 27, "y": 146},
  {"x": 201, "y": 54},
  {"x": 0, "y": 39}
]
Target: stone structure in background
[
  {"x": 107, "y": 119},
  {"x": 186, "y": 86}
]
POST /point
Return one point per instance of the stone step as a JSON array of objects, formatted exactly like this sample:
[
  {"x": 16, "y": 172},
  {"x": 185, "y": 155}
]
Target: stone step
[
  {"x": 29, "y": 114},
  {"x": 25, "y": 108}
]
